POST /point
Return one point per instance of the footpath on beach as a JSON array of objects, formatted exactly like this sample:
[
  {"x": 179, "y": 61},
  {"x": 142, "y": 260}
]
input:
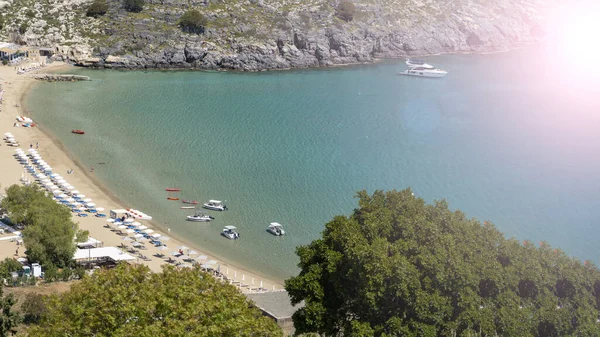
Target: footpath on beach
[{"x": 29, "y": 156}]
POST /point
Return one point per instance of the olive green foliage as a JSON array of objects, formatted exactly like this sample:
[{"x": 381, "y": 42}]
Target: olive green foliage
[
  {"x": 49, "y": 230},
  {"x": 97, "y": 8},
  {"x": 33, "y": 308},
  {"x": 8, "y": 318},
  {"x": 1, "y": 21},
  {"x": 23, "y": 28},
  {"x": 134, "y": 6},
  {"x": 132, "y": 301},
  {"x": 8, "y": 266},
  {"x": 192, "y": 22},
  {"x": 82, "y": 235},
  {"x": 400, "y": 267},
  {"x": 346, "y": 11}
]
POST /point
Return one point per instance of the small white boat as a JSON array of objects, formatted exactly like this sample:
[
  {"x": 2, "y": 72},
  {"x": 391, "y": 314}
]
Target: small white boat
[
  {"x": 230, "y": 233},
  {"x": 200, "y": 217},
  {"x": 215, "y": 205},
  {"x": 276, "y": 229}
]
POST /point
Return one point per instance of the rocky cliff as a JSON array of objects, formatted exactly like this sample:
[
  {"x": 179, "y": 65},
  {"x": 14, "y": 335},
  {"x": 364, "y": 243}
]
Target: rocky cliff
[{"x": 271, "y": 34}]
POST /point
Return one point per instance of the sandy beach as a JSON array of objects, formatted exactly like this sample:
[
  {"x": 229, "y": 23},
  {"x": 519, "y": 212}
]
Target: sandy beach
[{"x": 15, "y": 87}]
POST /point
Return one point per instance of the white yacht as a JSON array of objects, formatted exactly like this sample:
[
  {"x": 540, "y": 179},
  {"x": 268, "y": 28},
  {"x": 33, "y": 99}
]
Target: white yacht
[
  {"x": 422, "y": 69},
  {"x": 200, "y": 217},
  {"x": 215, "y": 205},
  {"x": 276, "y": 229},
  {"x": 230, "y": 233}
]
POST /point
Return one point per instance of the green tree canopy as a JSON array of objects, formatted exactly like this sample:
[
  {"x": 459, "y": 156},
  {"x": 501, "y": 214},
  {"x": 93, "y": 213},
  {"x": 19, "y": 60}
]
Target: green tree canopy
[
  {"x": 400, "y": 267},
  {"x": 135, "y": 6},
  {"x": 346, "y": 10},
  {"x": 49, "y": 229},
  {"x": 132, "y": 301},
  {"x": 192, "y": 21},
  {"x": 97, "y": 8},
  {"x": 8, "y": 318}
]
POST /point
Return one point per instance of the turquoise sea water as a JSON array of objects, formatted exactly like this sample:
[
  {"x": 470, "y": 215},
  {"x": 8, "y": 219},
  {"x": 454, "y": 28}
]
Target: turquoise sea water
[{"x": 510, "y": 138}]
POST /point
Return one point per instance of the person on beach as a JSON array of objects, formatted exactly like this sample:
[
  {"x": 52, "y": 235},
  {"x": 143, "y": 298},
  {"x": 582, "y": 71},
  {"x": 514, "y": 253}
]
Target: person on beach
[
  {"x": 17, "y": 252},
  {"x": 37, "y": 145},
  {"x": 31, "y": 146},
  {"x": 92, "y": 168}
]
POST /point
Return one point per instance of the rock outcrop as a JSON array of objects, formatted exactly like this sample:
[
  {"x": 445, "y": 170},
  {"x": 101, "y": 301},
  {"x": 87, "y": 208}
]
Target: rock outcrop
[{"x": 255, "y": 35}]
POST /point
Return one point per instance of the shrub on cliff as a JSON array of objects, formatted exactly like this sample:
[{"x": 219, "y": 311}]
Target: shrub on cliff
[
  {"x": 134, "y": 6},
  {"x": 346, "y": 11},
  {"x": 192, "y": 22},
  {"x": 97, "y": 8},
  {"x": 400, "y": 267}
]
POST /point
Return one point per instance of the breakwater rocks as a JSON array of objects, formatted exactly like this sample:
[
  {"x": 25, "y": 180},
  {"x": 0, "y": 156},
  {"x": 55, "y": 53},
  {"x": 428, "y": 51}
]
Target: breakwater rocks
[
  {"x": 255, "y": 35},
  {"x": 64, "y": 77}
]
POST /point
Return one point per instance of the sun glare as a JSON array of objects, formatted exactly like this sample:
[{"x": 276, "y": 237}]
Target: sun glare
[{"x": 574, "y": 31}]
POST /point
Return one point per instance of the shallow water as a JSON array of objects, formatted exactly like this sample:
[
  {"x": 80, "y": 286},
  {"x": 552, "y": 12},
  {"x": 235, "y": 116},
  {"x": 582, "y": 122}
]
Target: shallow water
[{"x": 504, "y": 137}]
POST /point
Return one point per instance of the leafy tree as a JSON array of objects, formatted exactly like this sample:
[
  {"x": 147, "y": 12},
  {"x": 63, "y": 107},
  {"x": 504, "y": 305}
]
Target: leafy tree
[
  {"x": 8, "y": 318},
  {"x": 134, "y": 6},
  {"x": 1, "y": 21},
  {"x": 49, "y": 229},
  {"x": 8, "y": 266},
  {"x": 33, "y": 308},
  {"x": 192, "y": 22},
  {"x": 346, "y": 11},
  {"x": 400, "y": 267},
  {"x": 97, "y": 8},
  {"x": 23, "y": 28},
  {"x": 82, "y": 235},
  {"x": 132, "y": 301}
]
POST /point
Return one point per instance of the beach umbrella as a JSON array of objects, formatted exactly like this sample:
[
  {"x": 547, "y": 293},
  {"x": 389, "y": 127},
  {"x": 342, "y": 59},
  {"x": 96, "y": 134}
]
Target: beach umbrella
[
  {"x": 175, "y": 253},
  {"x": 192, "y": 252},
  {"x": 137, "y": 244},
  {"x": 129, "y": 220},
  {"x": 75, "y": 192},
  {"x": 90, "y": 205},
  {"x": 138, "y": 235},
  {"x": 211, "y": 262},
  {"x": 206, "y": 266},
  {"x": 142, "y": 227},
  {"x": 148, "y": 231},
  {"x": 86, "y": 199},
  {"x": 165, "y": 238},
  {"x": 135, "y": 223},
  {"x": 163, "y": 248},
  {"x": 99, "y": 209},
  {"x": 122, "y": 227},
  {"x": 54, "y": 188},
  {"x": 129, "y": 231},
  {"x": 61, "y": 181},
  {"x": 184, "y": 257},
  {"x": 70, "y": 187},
  {"x": 111, "y": 220},
  {"x": 126, "y": 239},
  {"x": 202, "y": 258},
  {"x": 182, "y": 247},
  {"x": 156, "y": 236},
  {"x": 186, "y": 265},
  {"x": 32, "y": 150},
  {"x": 63, "y": 196}
]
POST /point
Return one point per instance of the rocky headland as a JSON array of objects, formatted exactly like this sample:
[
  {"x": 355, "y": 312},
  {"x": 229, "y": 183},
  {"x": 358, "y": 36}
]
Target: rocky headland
[{"x": 254, "y": 35}]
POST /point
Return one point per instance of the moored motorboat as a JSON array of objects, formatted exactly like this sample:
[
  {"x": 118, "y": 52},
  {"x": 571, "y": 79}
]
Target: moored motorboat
[
  {"x": 230, "y": 233},
  {"x": 215, "y": 205},
  {"x": 172, "y": 198},
  {"x": 79, "y": 132},
  {"x": 172, "y": 189},
  {"x": 193, "y": 202},
  {"x": 421, "y": 69},
  {"x": 276, "y": 229},
  {"x": 200, "y": 217}
]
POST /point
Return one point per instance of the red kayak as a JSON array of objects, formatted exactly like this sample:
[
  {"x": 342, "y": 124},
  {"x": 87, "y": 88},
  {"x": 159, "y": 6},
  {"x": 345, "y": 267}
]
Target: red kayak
[
  {"x": 172, "y": 198},
  {"x": 193, "y": 202},
  {"x": 172, "y": 189},
  {"x": 79, "y": 132}
]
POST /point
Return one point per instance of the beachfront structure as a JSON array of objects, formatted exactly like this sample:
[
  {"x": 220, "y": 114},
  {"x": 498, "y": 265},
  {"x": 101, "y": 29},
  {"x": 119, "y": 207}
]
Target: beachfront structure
[
  {"x": 13, "y": 53},
  {"x": 277, "y": 305},
  {"x": 101, "y": 256}
]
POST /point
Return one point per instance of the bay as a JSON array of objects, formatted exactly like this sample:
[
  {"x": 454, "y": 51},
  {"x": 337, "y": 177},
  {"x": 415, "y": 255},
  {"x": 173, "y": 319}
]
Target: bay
[{"x": 507, "y": 137}]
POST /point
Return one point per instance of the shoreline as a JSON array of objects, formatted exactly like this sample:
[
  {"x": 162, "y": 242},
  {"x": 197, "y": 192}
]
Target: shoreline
[{"x": 61, "y": 160}]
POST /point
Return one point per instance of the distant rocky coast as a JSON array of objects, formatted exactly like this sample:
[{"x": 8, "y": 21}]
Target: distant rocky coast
[{"x": 257, "y": 35}]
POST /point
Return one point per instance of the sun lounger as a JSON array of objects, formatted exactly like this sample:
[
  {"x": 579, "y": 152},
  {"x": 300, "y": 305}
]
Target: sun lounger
[{"x": 101, "y": 215}]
